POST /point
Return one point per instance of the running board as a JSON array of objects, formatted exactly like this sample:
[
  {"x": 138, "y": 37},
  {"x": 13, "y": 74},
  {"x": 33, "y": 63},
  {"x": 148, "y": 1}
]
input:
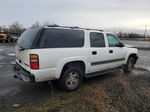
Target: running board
[{"x": 87, "y": 75}]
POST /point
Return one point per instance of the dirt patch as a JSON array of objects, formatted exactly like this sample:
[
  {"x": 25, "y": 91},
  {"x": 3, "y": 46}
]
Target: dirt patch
[
  {"x": 3, "y": 106},
  {"x": 117, "y": 92},
  {"x": 142, "y": 68},
  {"x": 143, "y": 48}
]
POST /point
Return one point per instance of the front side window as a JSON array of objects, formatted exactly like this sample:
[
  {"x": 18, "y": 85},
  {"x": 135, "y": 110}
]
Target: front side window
[
  {"x": 112, "y": 40},
  {"x": 97, "y": 39},
  {"x": 61, "y": 38}
]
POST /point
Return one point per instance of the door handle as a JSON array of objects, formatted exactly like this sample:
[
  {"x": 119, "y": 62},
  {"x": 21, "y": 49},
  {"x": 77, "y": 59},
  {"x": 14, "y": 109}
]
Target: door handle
[
  {"x": 110, "y": 51},
  {"x": 94, "y": 52}
]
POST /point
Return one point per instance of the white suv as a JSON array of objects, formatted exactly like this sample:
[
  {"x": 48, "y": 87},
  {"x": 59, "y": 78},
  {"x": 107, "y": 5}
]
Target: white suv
[{"x": 68, "y": 54}]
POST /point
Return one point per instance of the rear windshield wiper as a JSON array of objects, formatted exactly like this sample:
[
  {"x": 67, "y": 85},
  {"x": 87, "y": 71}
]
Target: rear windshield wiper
[{"x": 22, "y": 48}]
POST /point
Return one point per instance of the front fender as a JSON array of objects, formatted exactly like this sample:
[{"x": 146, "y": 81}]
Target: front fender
[{"x": 131, "y": 51}]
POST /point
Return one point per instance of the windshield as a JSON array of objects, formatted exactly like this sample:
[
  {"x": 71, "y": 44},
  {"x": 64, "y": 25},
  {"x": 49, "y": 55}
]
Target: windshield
[
  {"x": 15, "y": 37},
  {"x": 27, "y": 38}
]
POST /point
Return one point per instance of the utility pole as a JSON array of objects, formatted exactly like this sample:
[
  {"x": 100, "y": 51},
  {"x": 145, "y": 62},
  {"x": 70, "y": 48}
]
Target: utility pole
[{"x": 145, "y": 33}]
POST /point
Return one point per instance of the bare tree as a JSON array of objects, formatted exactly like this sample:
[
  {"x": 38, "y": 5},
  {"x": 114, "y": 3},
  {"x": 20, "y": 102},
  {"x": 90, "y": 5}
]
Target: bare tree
[
  {"x": 36, "y": 25},
  {"x": 16, "y": 27},
  {"x": 46, "y": 23}
]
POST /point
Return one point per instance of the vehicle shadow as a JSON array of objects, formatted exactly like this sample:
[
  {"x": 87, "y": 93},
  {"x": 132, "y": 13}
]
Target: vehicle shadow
[{"x": 101, "y": 78}]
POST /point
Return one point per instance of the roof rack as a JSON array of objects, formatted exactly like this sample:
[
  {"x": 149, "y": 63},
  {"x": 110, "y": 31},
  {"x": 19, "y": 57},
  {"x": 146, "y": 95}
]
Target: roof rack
[
  {"x": 93, "y": 29},
  {"x": 73, "y": 27},
  {"x": 54, "y": 25},
  {"x": 62, "y": 26}
]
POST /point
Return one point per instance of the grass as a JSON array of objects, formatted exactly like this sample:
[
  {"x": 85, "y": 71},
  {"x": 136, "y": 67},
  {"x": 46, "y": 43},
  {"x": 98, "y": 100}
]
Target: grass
[{"x": 109, "y": 93}]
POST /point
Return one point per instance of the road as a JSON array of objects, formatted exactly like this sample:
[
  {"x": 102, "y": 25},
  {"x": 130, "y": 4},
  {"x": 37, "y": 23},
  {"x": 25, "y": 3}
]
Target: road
[
  {"x": 14, "y": 91},
  {"x": 144, "y": 55},
  {"x": 138, "y": 44},
  {"x": 144, "y": 58}
]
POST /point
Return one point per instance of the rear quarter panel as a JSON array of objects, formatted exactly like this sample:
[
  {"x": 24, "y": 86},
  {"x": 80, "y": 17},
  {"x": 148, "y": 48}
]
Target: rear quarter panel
[
  {"x": 56, "y": 58},
  {"x": 23, "y": 56}
]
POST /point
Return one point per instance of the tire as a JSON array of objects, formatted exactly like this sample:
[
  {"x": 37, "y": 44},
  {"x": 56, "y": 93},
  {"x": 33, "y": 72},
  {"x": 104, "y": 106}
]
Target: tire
[
  {"x": 71, "y": 79},
  {"x": 9, "y": 41},
  {"x": 12, "y": 41},
  {"x": 129, "y": 65}
]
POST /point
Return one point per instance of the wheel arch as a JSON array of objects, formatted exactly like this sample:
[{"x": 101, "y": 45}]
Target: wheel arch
[
  {"x": 132, "y": 55},
  {"x": 79, "y": 63}
]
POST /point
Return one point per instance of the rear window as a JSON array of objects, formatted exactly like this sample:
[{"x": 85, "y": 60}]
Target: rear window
[
  {"x": 27, "y": 38},
  {"x": 61, "y": 38}
]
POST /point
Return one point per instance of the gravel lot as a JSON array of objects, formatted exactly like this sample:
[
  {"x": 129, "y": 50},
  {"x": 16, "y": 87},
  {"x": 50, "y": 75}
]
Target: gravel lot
[{"x": 114, "y": 92}]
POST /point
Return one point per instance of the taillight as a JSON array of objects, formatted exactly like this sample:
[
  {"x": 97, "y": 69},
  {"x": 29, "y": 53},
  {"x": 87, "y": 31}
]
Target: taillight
[{"x": 34, "y": 61}]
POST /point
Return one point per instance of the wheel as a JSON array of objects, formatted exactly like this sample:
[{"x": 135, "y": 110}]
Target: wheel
[
  {"x": 71, "y": 78},
  {"x": 3, "y": 41},
  {"x": 11, "y": 40},
  {"x": 8, "y": 40},
  {"x": 129, "y": 65}
]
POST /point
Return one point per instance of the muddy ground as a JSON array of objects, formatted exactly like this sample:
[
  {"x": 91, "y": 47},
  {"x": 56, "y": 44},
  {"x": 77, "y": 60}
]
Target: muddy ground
[{"x": 114, "y": 92}]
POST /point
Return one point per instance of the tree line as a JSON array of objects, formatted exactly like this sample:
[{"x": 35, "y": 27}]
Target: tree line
[
  {"x": 16, "y": 27},
  {"x": 13, "y": 28},
  {"x": 130, "y": 35}
]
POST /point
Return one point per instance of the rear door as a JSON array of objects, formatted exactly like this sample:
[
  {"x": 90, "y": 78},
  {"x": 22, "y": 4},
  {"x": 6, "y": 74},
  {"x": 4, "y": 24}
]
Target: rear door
[{"x": 98, "y": 52}]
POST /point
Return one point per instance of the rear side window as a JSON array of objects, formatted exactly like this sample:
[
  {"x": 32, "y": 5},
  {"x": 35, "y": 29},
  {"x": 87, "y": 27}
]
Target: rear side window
[
  {"x": 61, "y": 38},
  {"x": 97, "y": 39},
  {"x": 27, "y": 38}
]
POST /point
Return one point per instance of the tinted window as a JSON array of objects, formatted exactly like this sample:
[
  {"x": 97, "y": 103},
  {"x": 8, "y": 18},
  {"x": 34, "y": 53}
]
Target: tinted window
[
  {"x": 112, "y": 40},
  {"x": 97, "y": 40},
  {"x": 59, "y": 38},
  {"x": 27, "y": 38}
]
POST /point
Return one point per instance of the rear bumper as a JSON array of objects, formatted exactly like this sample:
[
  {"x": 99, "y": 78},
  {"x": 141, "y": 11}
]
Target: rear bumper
[{"x": 23, "y": 74}]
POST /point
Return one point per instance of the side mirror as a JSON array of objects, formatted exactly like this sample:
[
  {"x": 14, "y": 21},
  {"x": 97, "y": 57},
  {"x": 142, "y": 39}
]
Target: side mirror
[{"x": 119, "y": 45}]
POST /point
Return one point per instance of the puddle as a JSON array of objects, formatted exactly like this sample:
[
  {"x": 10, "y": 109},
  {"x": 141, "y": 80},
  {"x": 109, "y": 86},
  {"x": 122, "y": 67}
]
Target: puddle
[
  {"x": 146, "y": 68},
  {"x": 11, "y": 54},
  {"x": 12, "y": 62},
  {"x": 7, "y": 63},
  {"x": 1, "y": 50},
  {"x": 10, "y": 91},
  {"x": 2, "y": 63},
  {"x": 1, "y": 57},
  {"x": 138, "y": 72}
]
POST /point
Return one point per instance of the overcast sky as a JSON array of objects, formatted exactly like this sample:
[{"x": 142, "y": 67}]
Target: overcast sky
[{"x": 85, "y": 13}]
